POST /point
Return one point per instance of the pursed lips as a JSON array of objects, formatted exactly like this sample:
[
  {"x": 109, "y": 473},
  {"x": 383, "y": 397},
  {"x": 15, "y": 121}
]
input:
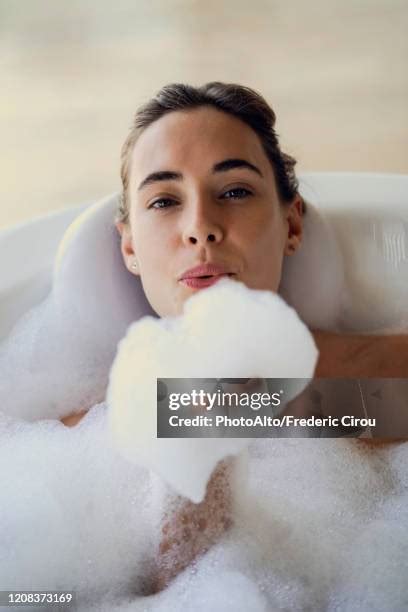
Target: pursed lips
[
  {"x": 206, "y": 271},
  {"x": 204, "y": 275}
]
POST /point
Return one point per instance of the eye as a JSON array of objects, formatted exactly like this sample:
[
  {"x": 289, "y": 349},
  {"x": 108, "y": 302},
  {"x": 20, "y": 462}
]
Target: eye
[
  {"x": 162, "y": 203},
  {"x": 238, "y": 193}
]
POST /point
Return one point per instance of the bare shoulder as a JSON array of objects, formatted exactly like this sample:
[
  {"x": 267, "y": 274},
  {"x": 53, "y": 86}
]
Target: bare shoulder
[{"x": 73, "y": 419}]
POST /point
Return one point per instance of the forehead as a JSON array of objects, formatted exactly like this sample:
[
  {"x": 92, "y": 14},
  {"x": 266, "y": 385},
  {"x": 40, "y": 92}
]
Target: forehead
[{"x": 193, "y": 141}]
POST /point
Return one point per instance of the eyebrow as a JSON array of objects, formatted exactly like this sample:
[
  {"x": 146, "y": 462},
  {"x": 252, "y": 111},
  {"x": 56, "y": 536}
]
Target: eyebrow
[
  {"x": 161, "y": 175},
  {"x": 223, "y": 166},
  {"x": 231, "y": 164}
]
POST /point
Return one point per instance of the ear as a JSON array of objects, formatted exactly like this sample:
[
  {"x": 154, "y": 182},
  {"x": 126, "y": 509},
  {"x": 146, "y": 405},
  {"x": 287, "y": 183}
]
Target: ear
[
  {"x": 127, "y": 248},
  {"x": 293, "y": 214}
]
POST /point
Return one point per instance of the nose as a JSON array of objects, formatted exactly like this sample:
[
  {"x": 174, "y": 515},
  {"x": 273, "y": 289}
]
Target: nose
[{"x": 202, "y": 225}]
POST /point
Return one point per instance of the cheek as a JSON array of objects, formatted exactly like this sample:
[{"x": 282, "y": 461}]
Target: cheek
[
  {"x": 153, "y": 245},
  {"x": 262, "y": 246},
  {"x": 262, "y": 236}
]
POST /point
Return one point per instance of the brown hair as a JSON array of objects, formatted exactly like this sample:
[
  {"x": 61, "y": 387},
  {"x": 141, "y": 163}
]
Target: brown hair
[{"x": 237, "y": 100}]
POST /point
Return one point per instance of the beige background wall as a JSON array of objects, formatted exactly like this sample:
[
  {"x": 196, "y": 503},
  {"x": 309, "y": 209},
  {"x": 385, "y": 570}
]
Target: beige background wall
[{"x": 74, "y": 71}]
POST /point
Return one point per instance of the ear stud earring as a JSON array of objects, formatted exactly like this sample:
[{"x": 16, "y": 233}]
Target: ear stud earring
[{"x": 134, "y": 265}]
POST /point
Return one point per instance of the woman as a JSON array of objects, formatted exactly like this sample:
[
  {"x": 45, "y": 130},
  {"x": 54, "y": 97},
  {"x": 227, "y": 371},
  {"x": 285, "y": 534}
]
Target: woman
[{"x": 207, "y": 193}]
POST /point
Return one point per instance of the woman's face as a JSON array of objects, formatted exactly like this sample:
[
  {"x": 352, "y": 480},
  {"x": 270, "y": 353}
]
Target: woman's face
[{"x": 202, "y": 191}]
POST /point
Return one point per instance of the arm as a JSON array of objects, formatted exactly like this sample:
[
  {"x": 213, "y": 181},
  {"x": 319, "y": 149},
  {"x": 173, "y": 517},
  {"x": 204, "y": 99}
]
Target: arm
[
  {"x": 359, "y": 356},
  {"x": 362, "y": 356}
]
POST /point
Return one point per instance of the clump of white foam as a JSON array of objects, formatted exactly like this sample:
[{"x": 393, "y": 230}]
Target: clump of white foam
[
  {"x": 54, "y": 362},
  {"x": 317, "y": 525},
  {"x": 226, "y": 331},
  {"x": 74, "y": 515}
]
